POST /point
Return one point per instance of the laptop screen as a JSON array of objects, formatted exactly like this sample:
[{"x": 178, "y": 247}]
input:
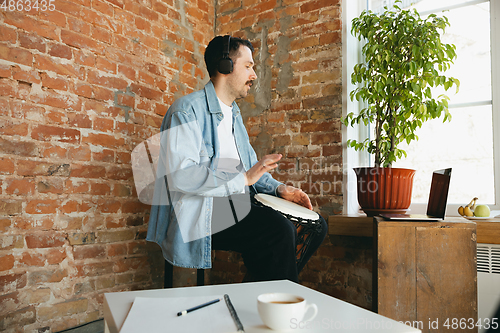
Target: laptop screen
[{"x": 438, "y": 195}]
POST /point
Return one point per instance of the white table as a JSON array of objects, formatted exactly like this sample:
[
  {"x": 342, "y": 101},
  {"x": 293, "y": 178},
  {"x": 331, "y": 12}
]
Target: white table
[{"x": 333, "y": 314}]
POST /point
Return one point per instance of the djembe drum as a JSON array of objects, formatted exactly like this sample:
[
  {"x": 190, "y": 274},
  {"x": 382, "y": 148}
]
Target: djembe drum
[{"x": 306, "y": 221}]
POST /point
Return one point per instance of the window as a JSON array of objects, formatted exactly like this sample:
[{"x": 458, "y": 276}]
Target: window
[{"x": 467, "y": 142}]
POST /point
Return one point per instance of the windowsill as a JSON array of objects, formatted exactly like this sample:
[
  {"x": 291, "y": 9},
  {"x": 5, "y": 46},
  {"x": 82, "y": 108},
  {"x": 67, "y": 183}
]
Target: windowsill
[{"x": 488, "y": 231}]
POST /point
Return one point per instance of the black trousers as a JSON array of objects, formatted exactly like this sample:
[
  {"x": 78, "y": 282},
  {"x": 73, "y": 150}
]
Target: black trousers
[{"x": 267, "y": 243}]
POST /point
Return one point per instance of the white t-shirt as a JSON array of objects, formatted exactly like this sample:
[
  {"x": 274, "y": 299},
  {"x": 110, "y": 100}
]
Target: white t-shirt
[{"x": 229, "y": 157}]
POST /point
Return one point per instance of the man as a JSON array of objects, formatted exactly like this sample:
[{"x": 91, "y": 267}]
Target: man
[{"x": 211, "y": 171}]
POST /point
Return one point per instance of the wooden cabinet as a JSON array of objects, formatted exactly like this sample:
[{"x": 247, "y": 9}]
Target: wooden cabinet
[{"x": 425, "y": 273}]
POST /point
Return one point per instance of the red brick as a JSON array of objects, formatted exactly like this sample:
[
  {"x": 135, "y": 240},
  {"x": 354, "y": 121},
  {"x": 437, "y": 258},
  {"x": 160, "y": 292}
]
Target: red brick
[
  {"x": 29, "y": 76},
  {"x": 5, "y": 71},
  {"x": 89, "y": 252},
  {"x": 127, "y": 71},
  {"x": 102, "y": 35},
  {"x": 32, "y": 259},
  {"x": 127, "y": 264},
  {"x": 19, "y": 148},
  {"x": 102, "y": 94},
  {"x": 121, "y": 190},
  {"x": 79, "y": 153},
  {"x": 50, "y": 185},
  {"x": 72, "y": 8},
  {"x": 331, "y": 38},
  {"x": 18, "y": 318},
  {"x": 106, "y": 65},
  {"x": 83, "y": 89},
  {"x": 106, "y": 155},
  {"x": 134, "y": 207},
  {"x": 146, "y": 78},
  {"x": 107, "y": 81},
  {"x": 317, "y": 127},
  {"x": 146, "y": 92},
  {"x": 318, "y": 4},
  {"x": 6, "y": 262},
  {"x": 20, "y": 186},
  {"x": 117, "y": 250},
  {"x": 60, "y": 51},
  {"x": 142, "y": 24},
  {"x": 7, "y": 34},
  {"x": 326, "y": 138},
  {"x": 97, "y": 19},
  {"x": 61, "y": 101},
  {"x": 55, "y": 17},
  {"x": 46, "y": 206},
  {"x": 103, "y": 124},
  {"x": 16, "y": 55},
  {"x": 43, "y": 62},
  {"x": 53, "y": 152},
  {"x": 32, "y": 41},
  {"x": 52, "y": 275},
  {"x": 69, "y": 207},
  {"x": 103, "y": 140},
  {"x": 8, "y": 127},
  {"x": 55, "y": 256},
  {"x": 103, "y": 7},
  {"x": 27, "y": 111},
  {"x": 100, "y": 189},
  {"x": 21, "y": 21},
  {"x": 54, "y": 133},
  {"x": 82, "y": 42},
  {"x": 335, "y": 150},
  {"x": 74, "y": 186},
  {"x": 7, "y": 166},
  {"x": 94, "y": 269},
  {"x": 108, "y": 206},
  {"x": 13, "y": 281},
  {"x": 55, "y": 116},
  {"x": 45, "y": 240},
  {"x": 84, "y": 58},
  {"x": 87, "y": 171},
  {"x": 8, "y": 88},
  {"x": 58, "y": 83},
  {"x": 119, "y": 172},
  {"x": 79, "y": 120},
  {"x": 37, "y": 168}
]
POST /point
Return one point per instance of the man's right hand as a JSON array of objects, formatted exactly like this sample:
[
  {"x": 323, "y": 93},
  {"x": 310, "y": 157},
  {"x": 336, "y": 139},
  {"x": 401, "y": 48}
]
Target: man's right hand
[{"x": 267, "y": 163}]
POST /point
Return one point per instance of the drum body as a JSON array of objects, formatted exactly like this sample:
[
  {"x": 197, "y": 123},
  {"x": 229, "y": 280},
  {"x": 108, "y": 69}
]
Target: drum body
[{"x": 307, "y": 222}]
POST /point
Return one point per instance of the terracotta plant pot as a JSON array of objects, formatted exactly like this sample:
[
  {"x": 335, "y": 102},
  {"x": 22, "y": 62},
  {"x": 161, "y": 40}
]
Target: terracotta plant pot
[{"x": 384, "y": 189}]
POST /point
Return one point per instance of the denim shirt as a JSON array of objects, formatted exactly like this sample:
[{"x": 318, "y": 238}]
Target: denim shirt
[{"x": 181, "y": 217}]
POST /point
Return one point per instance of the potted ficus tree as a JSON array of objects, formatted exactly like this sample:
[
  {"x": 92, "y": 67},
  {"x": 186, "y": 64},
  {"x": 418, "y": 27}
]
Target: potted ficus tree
[{"x": 404, "y": 59}]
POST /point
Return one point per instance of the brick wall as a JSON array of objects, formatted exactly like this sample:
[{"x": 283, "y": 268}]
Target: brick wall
[
  {"x": 80, "y": 86},
  {"x": 83, "y": 84}
]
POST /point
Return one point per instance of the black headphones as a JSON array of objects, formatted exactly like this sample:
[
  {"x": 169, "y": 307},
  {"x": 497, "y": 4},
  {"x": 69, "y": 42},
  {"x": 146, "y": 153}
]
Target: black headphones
[{"x": 225, "y": 64}]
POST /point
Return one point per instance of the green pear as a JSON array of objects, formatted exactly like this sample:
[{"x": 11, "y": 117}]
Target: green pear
[{"x": 482, "y": 211}]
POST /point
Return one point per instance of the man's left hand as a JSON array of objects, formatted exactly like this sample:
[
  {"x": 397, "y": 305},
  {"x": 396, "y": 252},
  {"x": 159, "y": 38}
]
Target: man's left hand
[{"x": 294, "y": 194}]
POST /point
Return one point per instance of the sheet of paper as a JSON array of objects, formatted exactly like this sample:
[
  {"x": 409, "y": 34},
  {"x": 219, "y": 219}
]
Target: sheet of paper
[{"x": 155, "y": 315}]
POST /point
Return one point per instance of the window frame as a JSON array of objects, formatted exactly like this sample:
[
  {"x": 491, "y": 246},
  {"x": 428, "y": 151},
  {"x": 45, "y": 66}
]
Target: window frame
[{"x": 351, "y": 54}]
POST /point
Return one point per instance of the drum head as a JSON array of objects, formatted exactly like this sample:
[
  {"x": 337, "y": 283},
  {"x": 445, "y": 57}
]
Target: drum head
[{"x": 286, "y": 207}]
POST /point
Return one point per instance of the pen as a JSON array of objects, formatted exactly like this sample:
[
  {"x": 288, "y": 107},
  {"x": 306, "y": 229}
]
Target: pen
[{"x": 182, "y": 313}]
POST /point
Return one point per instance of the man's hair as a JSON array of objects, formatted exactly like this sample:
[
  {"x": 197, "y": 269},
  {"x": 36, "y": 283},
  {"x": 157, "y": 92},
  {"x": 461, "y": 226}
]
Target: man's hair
[{"x": 214, "y": 52}]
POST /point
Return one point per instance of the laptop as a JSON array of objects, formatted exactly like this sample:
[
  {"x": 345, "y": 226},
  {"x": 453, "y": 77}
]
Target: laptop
[{"x": 438, "y": 196}]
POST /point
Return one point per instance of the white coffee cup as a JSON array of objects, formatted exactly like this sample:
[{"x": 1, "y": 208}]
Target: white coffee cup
[{"x": 281, "y": 311}]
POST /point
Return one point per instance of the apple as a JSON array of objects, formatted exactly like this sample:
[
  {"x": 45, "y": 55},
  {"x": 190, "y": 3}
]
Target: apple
[{"x": 482, "y": 211}]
